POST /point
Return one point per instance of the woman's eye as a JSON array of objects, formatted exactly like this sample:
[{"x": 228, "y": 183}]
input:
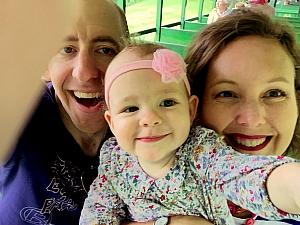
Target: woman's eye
[
  {"x": 168, "y": 103},
  {"x": 226, "y": 94},
  {"x": 275, "y": 93},
  {"x": 130, "y": 109}
]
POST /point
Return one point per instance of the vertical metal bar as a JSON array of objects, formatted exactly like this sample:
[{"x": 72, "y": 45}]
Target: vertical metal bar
[
  {"x": 159, "y": 10},
  {"x": 200, "y": 10},
  {"x": 183, "y": 10}
]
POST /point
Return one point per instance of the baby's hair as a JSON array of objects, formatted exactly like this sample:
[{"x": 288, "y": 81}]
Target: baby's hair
[
  {"x": 140, "y": 48},
  {"x": 143, "y": 48}
]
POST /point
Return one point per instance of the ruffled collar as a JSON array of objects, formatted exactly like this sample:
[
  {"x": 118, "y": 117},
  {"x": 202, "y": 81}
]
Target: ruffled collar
[{"x": 140, "y": 182}]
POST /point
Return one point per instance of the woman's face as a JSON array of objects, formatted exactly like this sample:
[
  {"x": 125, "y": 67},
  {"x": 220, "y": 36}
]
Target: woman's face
[{"x": 250, "y": 98}]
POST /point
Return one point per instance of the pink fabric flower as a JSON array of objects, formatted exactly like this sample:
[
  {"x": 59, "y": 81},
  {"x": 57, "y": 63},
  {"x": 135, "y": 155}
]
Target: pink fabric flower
[{"x": 169, "y": 64}]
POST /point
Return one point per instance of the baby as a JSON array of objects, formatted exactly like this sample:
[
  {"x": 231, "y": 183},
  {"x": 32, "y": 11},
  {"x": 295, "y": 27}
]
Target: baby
[{"x": 157, "y": 165}]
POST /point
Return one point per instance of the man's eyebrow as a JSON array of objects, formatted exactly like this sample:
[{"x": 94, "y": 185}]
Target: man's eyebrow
[
  {"x": 106, "y": 39},
  {"x": 71, "y": 38},
  {"x": 100, "y": 39}
]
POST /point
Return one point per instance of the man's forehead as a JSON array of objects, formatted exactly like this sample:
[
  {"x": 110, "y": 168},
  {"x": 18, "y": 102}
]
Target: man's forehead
[
  {"x": 96, "y": 18},
  {"x": 94, "y": 11}
]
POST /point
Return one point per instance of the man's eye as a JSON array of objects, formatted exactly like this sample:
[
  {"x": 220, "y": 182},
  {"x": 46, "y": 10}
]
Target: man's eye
[
  {"x": 68, "y": 50},
  {"x": 130, "y": 109},
  {"x": 226, "y": 94},
  {"x": 168, "y": 103},
  {"x": 275, "y": 93},
  {"x": 106, "y": 51}
]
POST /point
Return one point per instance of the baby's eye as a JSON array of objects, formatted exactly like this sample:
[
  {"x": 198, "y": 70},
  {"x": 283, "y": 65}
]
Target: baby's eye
[
  {"x": 226, "y": 94},
  {"x": 275, "y": 93},
  {"x": 130, "y": 109},
  {"x": 168, "y": 103}
]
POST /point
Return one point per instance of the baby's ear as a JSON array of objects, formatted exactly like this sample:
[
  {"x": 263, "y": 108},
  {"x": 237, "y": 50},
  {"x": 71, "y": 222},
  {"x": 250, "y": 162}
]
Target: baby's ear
[
  {"x": 193, "y": 104},
  {"x": 109, "y": 120}
]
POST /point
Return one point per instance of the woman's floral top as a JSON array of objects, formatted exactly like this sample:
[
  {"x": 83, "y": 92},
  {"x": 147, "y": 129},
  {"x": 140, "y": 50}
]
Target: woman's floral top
[{"x": 205, "y": 175}]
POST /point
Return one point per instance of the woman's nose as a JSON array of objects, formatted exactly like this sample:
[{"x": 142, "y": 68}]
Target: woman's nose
[{"x": 251, "y": 113}]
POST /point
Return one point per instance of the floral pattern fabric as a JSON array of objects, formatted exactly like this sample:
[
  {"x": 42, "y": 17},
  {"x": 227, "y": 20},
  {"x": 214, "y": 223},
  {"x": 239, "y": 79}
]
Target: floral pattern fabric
[{"x": 206, "y": 173}]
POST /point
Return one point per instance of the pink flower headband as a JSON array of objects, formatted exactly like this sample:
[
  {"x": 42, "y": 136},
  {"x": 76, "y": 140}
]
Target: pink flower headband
[{"x": 169, "y": 64}]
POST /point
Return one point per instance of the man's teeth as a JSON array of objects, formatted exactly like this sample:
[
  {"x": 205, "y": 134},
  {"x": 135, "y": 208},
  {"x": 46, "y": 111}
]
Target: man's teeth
[
  {"x": 250, "y": 142},
  {"x": 87, "y": 95}
]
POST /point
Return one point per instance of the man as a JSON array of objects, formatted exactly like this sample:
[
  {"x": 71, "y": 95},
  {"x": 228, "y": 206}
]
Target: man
[{"x": 46, "y": 178}]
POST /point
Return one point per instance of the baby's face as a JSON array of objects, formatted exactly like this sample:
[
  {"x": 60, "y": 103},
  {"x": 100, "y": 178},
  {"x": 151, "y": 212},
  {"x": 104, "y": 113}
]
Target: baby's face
[{"x": 149, "y": 118}]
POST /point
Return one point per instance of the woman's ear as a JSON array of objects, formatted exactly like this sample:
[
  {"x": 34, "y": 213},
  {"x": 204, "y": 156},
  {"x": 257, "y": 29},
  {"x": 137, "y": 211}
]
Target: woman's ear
[{"x": 193, "y": 104}]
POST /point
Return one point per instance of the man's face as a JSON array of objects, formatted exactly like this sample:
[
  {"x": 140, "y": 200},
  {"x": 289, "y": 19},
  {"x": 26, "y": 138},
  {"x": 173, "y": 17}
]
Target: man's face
[{"x": 77, "y": 70}]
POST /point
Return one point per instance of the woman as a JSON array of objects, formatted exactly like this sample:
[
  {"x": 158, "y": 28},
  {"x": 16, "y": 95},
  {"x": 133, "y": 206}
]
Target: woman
[{"x": 244, "y": 68}]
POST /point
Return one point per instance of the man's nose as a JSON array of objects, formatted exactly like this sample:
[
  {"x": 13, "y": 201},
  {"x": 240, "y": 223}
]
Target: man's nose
[{"x": 85, "y": 67}]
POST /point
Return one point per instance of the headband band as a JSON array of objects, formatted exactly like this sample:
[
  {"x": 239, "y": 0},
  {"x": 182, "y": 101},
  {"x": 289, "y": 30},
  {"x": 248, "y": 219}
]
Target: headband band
[{"x": 167, "y": 63}]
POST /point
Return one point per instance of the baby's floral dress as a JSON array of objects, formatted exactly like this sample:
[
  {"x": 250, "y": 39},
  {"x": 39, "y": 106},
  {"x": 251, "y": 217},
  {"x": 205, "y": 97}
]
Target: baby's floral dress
[{"x": 206, "y": 173}]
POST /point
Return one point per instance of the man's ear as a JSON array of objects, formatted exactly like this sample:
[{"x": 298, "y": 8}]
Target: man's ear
[
  {"x": 193, "y": 104},
  {"x": 109, "y": 120},
  {"x": 46, "y": 76}
]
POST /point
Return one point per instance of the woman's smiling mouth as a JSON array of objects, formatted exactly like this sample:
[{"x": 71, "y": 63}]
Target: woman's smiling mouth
[{"x": 248, "y": 143}]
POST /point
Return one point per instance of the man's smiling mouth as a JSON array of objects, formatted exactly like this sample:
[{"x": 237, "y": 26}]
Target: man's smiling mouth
[{"x": 88, "y": 99}]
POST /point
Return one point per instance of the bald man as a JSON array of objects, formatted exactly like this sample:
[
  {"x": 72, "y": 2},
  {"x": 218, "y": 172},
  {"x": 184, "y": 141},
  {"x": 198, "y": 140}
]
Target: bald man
[{"x": 46, "y": 172}]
